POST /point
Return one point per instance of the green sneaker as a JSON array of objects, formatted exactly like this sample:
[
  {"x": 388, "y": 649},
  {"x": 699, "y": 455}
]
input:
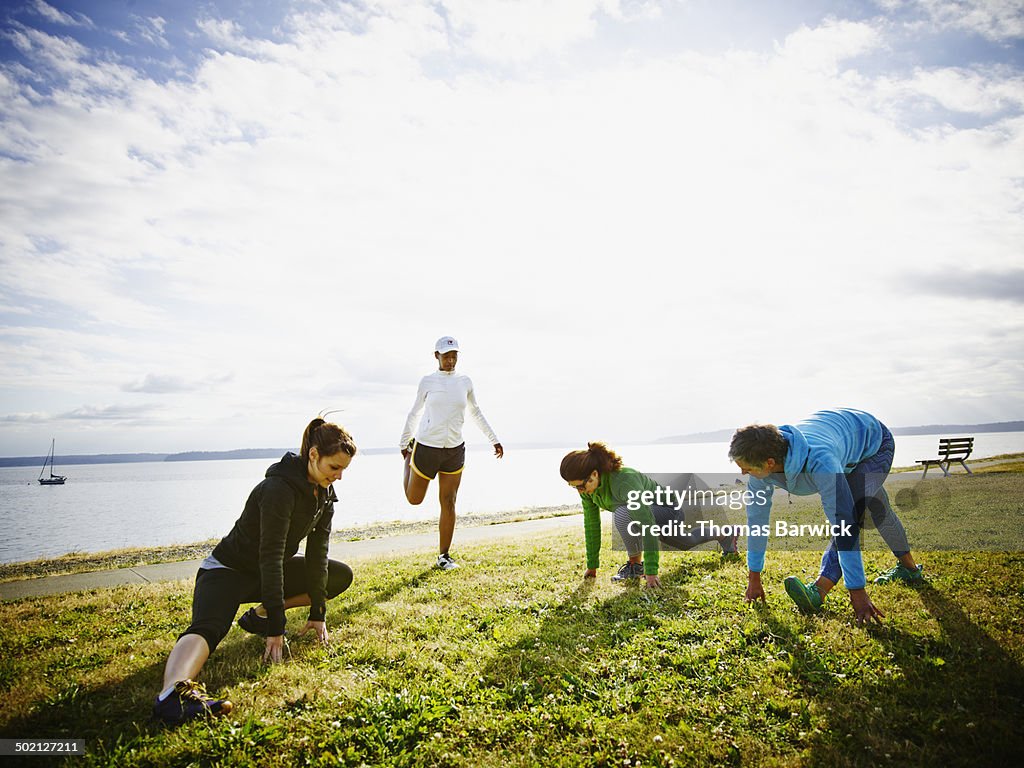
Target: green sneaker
[
  {"x": 806, "y": 596},
  {"x": 901, "y": 573}
]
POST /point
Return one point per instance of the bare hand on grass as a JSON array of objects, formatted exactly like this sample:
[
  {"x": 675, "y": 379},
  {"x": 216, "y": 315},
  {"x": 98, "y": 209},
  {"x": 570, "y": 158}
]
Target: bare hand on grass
[
  {"x": 755, "y": 590},
  {"x": 863, "y": 608},
  {"x": 319, "y": 629},
  {"x": 274, "y": 652}
]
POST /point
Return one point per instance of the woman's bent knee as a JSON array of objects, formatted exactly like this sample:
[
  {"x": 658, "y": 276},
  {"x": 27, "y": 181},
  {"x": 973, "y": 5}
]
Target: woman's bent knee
[
  {"x": 212, "y": 632},
  {"x": 339, "y": 578}
]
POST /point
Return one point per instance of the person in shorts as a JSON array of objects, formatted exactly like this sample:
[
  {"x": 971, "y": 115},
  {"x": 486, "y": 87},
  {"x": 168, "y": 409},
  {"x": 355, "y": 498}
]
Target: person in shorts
[{"x": 443, "y": 397}]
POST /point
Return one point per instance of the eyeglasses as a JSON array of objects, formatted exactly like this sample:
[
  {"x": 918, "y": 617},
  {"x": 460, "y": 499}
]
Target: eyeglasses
[{"x": 581, "y": 487}]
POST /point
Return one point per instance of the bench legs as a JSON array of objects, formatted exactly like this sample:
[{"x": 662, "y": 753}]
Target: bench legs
[{"x": 944, "y": 466}]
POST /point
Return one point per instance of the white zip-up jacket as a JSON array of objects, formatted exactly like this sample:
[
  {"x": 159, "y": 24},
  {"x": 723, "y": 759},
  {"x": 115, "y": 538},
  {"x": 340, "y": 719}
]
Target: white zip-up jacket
[{"x": 445, "y": 395}]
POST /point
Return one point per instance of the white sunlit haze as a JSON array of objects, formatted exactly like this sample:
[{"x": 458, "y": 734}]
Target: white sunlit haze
[{"x": 640, "y": 218}]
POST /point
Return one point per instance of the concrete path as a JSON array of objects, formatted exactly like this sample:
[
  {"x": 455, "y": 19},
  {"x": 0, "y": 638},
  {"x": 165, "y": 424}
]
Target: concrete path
[{"x": 346, "y": 551}]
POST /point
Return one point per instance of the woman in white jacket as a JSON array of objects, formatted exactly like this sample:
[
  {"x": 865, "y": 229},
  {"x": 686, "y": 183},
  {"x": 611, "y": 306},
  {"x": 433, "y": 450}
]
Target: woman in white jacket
[{"x": 439, "y": 450}]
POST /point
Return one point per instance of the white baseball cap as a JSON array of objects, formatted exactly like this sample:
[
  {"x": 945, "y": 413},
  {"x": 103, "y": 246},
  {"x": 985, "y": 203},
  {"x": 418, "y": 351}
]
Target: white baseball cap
[{"x": 446, "y": 344}]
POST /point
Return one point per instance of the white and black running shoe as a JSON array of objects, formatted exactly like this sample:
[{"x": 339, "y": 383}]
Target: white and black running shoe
[{"x": 445, "y": 562}]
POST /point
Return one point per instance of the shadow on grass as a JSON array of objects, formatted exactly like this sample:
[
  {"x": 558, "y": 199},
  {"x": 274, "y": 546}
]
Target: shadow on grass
[
  {"x": 119, "y": 710},
  {"x": 345, "y": 610},
  {"x": 569, "y": 659},
  {"x": 577, "y": 622},
  {"x": 956, "y": 699}
]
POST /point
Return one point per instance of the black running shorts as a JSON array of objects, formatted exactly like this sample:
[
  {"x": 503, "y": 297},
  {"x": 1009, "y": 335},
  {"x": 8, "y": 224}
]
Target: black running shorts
[{"x": 427, "y": 461}]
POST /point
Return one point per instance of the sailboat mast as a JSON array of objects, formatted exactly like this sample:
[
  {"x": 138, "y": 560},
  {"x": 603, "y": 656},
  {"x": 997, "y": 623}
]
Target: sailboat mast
[{"x": 48, "y": 459}]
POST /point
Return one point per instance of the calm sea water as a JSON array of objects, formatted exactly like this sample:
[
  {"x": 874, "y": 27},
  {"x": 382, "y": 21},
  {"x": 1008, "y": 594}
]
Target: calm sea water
[{"x": 109, "y": 506}]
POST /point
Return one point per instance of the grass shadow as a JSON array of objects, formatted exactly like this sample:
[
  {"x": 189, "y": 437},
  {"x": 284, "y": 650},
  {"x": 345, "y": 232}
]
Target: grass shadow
[
  {"x": 570, "y": 665},
  {"x": 346, "y": 610},
  {"x": 937, "y": 699},
  {"x": 118, "y": 710}
]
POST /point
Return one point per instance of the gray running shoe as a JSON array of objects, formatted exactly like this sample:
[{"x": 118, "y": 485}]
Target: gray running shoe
[{"x": 629, "y": 571}]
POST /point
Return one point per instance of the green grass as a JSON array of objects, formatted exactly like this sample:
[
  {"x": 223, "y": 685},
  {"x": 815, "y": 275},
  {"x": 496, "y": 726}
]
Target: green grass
[{"x": 514, "y": 660}]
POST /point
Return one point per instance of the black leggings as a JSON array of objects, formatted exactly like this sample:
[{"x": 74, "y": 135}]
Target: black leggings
[{"x": 220, "y": 591}]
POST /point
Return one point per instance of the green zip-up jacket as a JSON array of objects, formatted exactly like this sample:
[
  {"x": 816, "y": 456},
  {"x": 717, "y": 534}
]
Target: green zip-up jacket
[{"x": 611, "y": 493}]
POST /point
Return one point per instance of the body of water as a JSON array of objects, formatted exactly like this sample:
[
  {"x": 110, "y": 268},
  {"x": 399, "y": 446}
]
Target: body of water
[{"x": 110, "y": 506}]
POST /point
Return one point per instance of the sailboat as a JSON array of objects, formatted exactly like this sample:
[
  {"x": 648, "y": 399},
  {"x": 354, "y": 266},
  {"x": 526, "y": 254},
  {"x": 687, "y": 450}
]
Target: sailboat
[{"x": 52, "y": 479}]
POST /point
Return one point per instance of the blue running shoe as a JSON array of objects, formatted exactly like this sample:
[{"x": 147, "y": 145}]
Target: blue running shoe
[{"x": 188, "y": 700}]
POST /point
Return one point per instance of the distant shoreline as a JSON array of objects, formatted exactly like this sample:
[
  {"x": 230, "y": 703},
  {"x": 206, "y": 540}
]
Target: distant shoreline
[
  {"x": 718, "y": 436},
  {"x": 724, "y": 435},
  {"x": 139, "y": 458}
]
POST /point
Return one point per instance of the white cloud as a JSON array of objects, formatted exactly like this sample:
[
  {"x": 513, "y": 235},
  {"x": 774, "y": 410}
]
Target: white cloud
[
  {"x": 994, "y": 19},
  {"x": 56, "y": 16},
  {"x": 168, "y": 383},
  {"x": 151, "y": 29},
  {"x": 296, "y": 222},
  {"x": 997, "y": 20},
  {"x": 823, "y": 48},
  {"x": 968, "y": 91},
  {"x": 519, "y": 30}
]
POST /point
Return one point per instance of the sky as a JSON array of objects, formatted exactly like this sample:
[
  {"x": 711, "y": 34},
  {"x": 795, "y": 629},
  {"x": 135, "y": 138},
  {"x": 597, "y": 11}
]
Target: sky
[{"x": 640, "y": 218}]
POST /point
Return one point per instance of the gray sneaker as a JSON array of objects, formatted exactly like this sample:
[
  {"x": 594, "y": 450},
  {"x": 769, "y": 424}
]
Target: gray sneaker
[
  {"x": 629, "y": 571},
  {"x": 445, "y": 562}
]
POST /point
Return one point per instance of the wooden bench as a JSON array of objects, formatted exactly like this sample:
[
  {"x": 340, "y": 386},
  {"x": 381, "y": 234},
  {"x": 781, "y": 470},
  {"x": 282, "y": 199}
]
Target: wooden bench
[{"x": 950, "y": 449}]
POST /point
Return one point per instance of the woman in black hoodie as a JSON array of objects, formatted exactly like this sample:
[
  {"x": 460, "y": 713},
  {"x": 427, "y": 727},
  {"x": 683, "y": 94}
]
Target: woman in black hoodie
[{"x": 256, "y": 562}]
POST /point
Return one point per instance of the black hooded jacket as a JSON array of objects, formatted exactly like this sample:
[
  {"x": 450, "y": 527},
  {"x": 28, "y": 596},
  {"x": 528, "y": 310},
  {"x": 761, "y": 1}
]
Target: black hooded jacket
[{"x": 281, "y": 511}]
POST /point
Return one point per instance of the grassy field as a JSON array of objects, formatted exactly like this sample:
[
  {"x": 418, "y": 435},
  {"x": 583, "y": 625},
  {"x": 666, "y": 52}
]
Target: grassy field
[{"x": 514, "y": 660}]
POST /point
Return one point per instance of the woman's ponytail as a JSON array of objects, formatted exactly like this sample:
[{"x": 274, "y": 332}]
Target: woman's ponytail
[
  {"x": 327, "y": 438},
  {"x": 578, "y": 465}
]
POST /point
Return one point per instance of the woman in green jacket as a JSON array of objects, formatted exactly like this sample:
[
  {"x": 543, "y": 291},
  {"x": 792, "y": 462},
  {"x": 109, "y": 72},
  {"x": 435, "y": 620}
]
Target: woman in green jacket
[{"x": 604, "y": 483}]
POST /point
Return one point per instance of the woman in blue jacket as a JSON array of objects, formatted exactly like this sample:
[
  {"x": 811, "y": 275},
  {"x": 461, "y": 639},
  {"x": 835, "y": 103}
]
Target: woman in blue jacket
[
  {"x": 844, "y": 455},
  {"x": 257, "y": 563}
]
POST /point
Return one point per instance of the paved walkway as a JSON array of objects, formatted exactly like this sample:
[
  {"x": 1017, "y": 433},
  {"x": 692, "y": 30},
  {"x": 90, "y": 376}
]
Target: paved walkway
[{"x": 346, "y": 551}]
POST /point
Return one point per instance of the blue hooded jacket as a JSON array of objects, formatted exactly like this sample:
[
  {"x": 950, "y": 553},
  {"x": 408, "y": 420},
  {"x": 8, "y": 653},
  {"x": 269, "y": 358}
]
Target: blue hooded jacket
[{"x": 822, "y": 449}]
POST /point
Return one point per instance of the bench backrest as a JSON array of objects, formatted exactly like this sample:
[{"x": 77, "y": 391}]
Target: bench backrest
[{"x": 955, "y": 447}]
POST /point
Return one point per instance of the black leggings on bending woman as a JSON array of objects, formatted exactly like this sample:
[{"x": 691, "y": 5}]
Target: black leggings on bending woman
[{"x": 220, "y": 591}]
